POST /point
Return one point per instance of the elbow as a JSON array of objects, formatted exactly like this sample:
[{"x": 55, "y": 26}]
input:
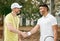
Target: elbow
[{"x": 10, "y": 29}]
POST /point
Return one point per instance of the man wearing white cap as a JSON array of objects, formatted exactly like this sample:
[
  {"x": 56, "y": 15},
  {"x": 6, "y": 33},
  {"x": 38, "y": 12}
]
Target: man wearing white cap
[{"x": 11, "y": 24}]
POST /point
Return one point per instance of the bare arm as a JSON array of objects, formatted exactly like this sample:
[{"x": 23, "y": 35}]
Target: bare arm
[
  {"x": 55, "y": 28},
  {"x": 35, "y": 29},
  {"x": 12, "y": 29}
]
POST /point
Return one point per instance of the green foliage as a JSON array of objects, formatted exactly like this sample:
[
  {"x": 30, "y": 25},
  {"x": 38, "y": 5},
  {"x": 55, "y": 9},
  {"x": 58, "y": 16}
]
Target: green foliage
[{"x": 27, "y": 10}]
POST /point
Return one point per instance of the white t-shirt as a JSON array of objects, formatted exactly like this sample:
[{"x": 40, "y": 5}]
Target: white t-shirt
[{"x": 46, "y": 24}]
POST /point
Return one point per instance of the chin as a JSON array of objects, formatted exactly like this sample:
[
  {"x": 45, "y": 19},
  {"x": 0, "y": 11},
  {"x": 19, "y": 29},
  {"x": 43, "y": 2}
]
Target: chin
[{"x": 41, "y": 13}]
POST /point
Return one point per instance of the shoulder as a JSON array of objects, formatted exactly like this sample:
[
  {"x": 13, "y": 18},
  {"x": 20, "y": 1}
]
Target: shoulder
[
  {"x": 8, "y": 16},
  {"x": 40, "y": 19},
  {"x": 52, "y": 17}
]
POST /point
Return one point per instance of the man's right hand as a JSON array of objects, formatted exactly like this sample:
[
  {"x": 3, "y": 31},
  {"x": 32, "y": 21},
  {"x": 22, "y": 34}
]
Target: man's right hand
[{"x": 24, "y": 34}]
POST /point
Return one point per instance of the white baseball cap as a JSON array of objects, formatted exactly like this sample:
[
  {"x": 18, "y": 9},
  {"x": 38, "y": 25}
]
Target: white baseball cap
[{"x": 15, "y": 5}]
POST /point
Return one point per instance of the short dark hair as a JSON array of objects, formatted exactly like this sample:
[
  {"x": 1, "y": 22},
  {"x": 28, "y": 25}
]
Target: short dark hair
[{"x": 44, "y": 5}]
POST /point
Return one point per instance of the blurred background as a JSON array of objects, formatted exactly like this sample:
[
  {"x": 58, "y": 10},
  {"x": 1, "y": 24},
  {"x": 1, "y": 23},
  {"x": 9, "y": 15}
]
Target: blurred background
[{"x": 29, "y": 15}]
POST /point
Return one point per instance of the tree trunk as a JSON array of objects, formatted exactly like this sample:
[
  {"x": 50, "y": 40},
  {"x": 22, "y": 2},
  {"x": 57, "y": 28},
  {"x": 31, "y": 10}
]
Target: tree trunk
[{"x": 52, "y": 7}]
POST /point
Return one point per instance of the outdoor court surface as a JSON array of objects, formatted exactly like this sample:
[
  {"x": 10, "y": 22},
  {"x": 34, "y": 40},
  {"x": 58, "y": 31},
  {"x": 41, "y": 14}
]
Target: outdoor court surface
[{"x": 34, "y": 37}]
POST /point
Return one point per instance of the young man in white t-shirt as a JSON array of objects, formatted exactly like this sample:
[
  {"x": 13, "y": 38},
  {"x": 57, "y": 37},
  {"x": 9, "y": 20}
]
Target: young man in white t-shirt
[{"x": 47, "y": 25}]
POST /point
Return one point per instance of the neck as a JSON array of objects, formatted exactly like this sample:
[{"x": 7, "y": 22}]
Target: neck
[
  {"x": 13, "y": 13},
  {"x": 45, "y": 14}
]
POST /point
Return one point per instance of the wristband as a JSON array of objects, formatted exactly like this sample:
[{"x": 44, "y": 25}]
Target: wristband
[{"x": 29, "y": 33}]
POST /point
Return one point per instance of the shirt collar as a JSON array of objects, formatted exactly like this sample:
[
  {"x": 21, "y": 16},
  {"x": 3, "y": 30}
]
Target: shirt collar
[{"x": 46, "y": 15}]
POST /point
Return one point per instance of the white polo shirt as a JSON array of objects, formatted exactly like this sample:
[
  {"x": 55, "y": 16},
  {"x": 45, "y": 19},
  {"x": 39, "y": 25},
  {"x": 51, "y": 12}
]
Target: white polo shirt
[{"x": 46, "y": 24}]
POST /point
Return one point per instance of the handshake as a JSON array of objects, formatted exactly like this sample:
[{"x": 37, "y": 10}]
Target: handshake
[{"x": 25, "y": 34}]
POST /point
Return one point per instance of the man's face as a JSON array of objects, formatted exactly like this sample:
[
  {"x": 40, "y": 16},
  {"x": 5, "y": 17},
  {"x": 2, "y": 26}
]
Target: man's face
[
  {"x": 42, "y": 10},
  {"x": 17, "y": 10}
]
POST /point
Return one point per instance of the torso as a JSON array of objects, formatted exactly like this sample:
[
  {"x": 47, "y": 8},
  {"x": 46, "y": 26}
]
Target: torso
[{"x": 10, "y": 36}]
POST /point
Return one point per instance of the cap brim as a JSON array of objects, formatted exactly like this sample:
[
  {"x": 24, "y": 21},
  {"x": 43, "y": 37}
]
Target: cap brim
[{"x": 20, "y": 6}]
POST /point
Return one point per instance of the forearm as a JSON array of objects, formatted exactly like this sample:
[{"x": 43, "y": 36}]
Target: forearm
[
  {"x": 55, "y": 36},
  {"x": 35, "y": 29},
  {"x": 12, "y": 29},
  {"x": 55, "y": 33},
  {"x": 15, "y": 30},
  {"x": 55, "y": 29}
]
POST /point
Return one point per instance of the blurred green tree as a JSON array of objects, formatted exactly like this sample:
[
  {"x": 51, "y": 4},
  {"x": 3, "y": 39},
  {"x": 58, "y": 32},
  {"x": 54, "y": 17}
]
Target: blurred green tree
[{"x": 29, "y": 10}]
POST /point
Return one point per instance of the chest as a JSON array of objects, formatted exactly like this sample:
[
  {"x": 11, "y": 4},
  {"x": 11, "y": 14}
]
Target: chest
[
  {"x": 45, "y": 21},
  {"x": 15, "y": 21}
]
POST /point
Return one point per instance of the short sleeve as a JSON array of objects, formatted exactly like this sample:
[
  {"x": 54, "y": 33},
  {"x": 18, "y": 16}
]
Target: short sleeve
[
  {"x": 8, "y": 20},
  {"x": 54, "y": 21},
  {"x": 38, "y": 22}
]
